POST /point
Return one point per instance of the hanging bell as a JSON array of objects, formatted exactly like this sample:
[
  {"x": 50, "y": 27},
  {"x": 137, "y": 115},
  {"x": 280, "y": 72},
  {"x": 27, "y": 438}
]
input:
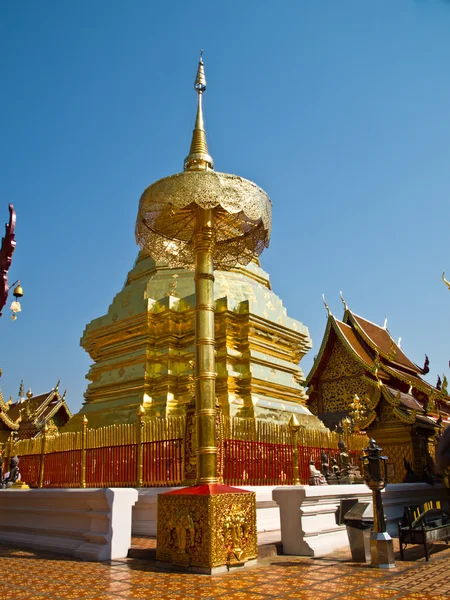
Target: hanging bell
[{"x": 18, "y": 291}]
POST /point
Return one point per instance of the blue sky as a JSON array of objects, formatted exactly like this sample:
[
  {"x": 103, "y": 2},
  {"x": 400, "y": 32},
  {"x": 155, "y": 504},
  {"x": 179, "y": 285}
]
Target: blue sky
[{"x": 339, "y": 110}]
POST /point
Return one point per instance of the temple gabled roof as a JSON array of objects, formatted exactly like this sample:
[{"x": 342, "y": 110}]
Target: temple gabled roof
[
  {"x": 381, "y": 341},
  {"x": 28, "y": 415},
  {"x": 384, "y": 364}
]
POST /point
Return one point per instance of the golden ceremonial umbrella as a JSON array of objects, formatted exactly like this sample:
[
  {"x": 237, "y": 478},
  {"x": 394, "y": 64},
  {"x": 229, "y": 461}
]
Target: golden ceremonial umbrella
[{"x": 204, "y": 220}]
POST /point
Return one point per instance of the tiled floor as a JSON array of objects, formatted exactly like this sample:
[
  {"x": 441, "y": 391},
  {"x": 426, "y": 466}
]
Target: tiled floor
[{"x": 27, "y": 574}]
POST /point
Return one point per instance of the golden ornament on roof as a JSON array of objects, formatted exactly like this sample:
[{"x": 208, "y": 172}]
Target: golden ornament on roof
[{"x": 167, "y": 215}]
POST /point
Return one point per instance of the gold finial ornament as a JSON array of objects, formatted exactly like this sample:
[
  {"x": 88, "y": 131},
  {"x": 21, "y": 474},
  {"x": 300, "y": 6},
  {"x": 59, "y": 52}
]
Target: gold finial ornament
[
  {"x": 447, "y": 283},
  {"x": 199, "y": 158},
  {"x": 326, "y": 305},
  {"x": 293, "y": 423},
  {"x": 29, "y": 394},
  {"x": 343, "y": 301}
]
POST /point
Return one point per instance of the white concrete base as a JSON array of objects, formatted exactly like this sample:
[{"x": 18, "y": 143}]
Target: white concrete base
[
  {"x": 144, "y": 511},
  {"x": 308, "y": 513},
  {"x": 92, "y": 524},
  {"x": 308, "y": 517}
]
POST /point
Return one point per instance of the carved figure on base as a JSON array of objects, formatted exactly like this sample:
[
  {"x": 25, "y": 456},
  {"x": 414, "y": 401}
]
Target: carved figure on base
[
  {"x": 325, "y": 465},
  {"x": 334, "y": 474},
  {"x": 315, "y": 476},
  {"x": 13, "y": 475},
  {"x": 349, "y": 473}
]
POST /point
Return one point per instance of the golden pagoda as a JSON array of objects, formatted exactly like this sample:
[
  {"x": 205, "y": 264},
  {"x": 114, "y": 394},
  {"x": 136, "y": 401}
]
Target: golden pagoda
[
  {"x": 362, "y": 373},
  {"x": 143, "y": 347}
]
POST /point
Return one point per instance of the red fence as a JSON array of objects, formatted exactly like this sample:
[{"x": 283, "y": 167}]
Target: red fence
[
  {"x": 152, "y": 454},
  {"x": 257, "y": 463}
]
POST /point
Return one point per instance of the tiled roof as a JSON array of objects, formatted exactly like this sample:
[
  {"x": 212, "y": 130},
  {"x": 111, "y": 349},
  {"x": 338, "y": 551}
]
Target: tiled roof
[
  {"x": 351, "y": 339},
  {"x": 380, "y": 339},
  {"x": 406, "y": 400}
]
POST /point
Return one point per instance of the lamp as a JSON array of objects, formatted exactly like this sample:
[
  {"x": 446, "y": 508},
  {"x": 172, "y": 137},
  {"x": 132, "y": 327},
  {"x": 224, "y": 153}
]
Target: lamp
[{"x": 375, "y": 476}]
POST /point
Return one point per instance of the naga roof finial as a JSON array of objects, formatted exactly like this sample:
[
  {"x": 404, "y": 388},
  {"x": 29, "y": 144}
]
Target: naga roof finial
[
  {"x": 198, "y": 158},
  {"x": 385, "y": 322},
  {"x": 447, "y": 283},
  {"x": 326, "y": 305},
  {"x": 343, "y": 301}
]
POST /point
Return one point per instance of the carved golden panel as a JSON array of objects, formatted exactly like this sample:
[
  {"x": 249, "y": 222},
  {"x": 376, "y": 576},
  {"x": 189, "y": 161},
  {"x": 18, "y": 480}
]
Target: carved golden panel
[
  {"x": 397, "y": 453},
  {"x": 387, "y": 413},
  {"x": 207, "y": 531},
  {"x": 338, "y": 394},
  {"x": 341, "y": 364}
]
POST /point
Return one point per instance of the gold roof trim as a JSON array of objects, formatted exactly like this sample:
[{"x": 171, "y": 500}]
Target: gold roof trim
[
  {"x": 369, "y": 420},
  {"x": 9, "y": 422},
  {"x": 409, "y": 418},
  {"x": 320, "y": 354}
]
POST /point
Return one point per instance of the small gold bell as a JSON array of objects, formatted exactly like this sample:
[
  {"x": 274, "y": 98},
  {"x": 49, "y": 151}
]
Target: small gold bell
[{"x": 18, "y": 291}]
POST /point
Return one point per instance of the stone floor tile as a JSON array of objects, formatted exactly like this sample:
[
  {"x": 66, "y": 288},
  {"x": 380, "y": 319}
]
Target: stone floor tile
[
  {"x": 279, "y": 589},
  {"x": 244, "y": 595},
  {"x": 353, "y": 596},
  {"x": 309, "y": 594},
  {"x": 172, "y": 596},
  {"x": 377, "y": 592}
]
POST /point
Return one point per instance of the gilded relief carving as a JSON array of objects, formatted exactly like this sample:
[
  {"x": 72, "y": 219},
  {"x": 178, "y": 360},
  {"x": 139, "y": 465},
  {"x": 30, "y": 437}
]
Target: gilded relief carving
[
  {"x": 235, "y": 530},
  {"x": 181, "y": 530},
  {"x": 341, "y": 364},
  {"x": 397, "y": 454},
  {"x": 339, "y": 394},
  {"x": 207, "y": 530}
]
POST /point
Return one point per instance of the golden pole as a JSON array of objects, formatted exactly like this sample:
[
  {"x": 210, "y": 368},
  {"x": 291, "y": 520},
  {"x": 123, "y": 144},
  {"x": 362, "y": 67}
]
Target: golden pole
[
  {"x": 294, "y": 426},
  {"x": 205, "y": 372},
  {"x": 41, "y": 464},
  {"x": 140, "y": 448},
  {"x": 11, "y": 444},
  {"x": 83, "y": 452},
  {"x": 8, "y": 450}
]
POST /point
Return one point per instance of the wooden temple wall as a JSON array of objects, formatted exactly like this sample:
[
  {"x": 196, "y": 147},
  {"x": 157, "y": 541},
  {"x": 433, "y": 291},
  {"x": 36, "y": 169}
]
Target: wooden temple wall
[{"x": 152, "y": 453}]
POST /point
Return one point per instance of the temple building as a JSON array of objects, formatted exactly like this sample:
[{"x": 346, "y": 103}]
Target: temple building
[
  {"x": 143, "y": 347},
  {"x": 360, "y": 372},
  {"x": 28, "y": 415}
]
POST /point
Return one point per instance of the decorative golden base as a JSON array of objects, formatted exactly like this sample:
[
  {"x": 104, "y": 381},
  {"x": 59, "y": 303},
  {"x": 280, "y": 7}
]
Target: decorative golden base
[
  {"x": 19, "y": 485},
  {"x": 206, "y": 527}
]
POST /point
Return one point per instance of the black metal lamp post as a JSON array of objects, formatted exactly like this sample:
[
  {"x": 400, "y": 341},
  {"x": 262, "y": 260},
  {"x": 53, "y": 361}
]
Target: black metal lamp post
[{"x": 375, "y": 476}]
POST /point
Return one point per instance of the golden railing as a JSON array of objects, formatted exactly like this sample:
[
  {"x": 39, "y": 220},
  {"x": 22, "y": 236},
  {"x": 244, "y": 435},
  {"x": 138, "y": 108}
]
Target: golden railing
[{"x": 152, "y": 453}]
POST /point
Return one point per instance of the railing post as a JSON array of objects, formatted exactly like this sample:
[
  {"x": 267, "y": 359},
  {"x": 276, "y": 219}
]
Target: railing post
[
  {"x": 294, "y": 426},
  {"x": 11, "y": 444},
  {"x": 83, "y": 452},
  {"x": 140, "y": 448},
  {"x": 41, "y": 464},
  {"x": 8, "y": 446}
]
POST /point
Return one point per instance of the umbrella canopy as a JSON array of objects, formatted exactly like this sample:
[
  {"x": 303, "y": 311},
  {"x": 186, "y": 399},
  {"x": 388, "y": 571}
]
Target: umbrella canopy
[{"x": 168, "y": 209}]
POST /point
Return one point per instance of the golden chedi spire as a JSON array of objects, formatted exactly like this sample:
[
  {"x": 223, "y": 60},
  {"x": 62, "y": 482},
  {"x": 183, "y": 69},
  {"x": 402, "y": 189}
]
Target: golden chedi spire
[{"x": 199, "y": 158}]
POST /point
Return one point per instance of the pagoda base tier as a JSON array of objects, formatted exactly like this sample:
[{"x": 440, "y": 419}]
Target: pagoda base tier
[
  {"x": 207, "y": 528},
  {"x": 143, "y": 348}
]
